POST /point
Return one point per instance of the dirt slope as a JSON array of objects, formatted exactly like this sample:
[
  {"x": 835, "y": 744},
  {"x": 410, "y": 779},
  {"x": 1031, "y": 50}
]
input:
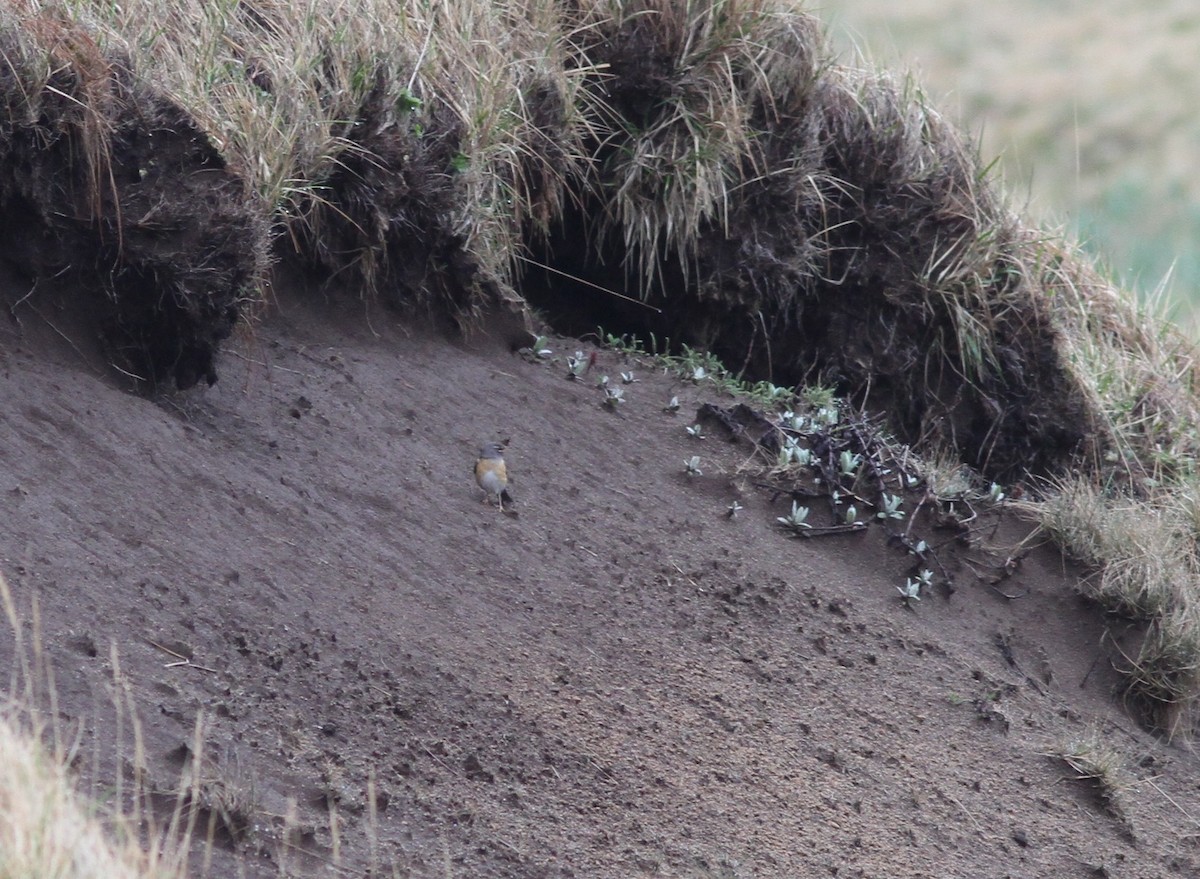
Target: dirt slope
[{"x": 619, "y": 682}]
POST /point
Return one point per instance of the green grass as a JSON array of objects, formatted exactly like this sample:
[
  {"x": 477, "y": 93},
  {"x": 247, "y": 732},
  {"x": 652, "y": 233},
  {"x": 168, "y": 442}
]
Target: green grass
[
  {"x": 1088, "y": 108},
  {"x": 1146, "y": 234}
]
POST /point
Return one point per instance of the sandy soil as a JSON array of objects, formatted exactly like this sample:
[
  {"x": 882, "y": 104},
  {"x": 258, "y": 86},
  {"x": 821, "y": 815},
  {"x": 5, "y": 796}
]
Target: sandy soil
[{"x": 393, "y": 678}]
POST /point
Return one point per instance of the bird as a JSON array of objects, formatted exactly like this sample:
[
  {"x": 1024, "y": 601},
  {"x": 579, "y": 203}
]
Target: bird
[{"x": 491, "y": 474}]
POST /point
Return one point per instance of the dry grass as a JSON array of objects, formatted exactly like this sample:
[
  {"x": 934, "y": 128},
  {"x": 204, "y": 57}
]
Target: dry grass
[
  {"x": 321, "y": 106},
  {"x": 1091, "y": 759},
  {"x": 1131, "y": 513},
  {"x": 1146, "y": 568},
  {"x": 47, "y": 830},
  {"x": 679, "y": 113},
  {"x": 1143, "y": 565}
]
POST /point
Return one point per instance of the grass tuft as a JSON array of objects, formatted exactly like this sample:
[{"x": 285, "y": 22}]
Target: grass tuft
[
  {"x": 1094, "y": 761},
  {"x": 1146, "y": 564},
  {"x": 47, "y": 830}
]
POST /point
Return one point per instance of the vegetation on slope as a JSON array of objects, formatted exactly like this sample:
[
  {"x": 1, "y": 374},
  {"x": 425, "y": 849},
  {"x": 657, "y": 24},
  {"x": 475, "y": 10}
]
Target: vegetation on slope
[{"x": 709, "y": 162}]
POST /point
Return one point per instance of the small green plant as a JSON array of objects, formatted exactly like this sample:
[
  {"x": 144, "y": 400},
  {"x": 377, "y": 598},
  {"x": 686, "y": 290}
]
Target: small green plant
[
  {"x": 407, "y": 102},
  {"x": 577, "y": 365},
  {"x": 791, "y": 421},
  {"x": 891, "y": 507},
  {"x": 850, "y": 517},
  {"x": 672, "y": 405},
  {"x": 914, "y": 586},
  {"x": 849, "y": 463},
  {"x": 794, "y": 453},
  {"x": 613, "y": 397},
  {"x": 819, "y": 396},
  {"x": 629, "y": 345},
  {"x": 692, "y": 466},
  {"x": 910, "y": 591},
  {"x": 695, "y": 431},
  {"x": 768, "y": 392},
  {"x": 827, "y": 416},
  {"x": 795, "y": 521},
  {"x": 996, "y": 494}
]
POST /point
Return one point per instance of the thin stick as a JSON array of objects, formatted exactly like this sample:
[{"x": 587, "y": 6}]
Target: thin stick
[
  {"x": 65, "y": 338},
  {"x": 952, "y": 798},
  {"x": 580, "y": 280},
  {"x": 166, "y": 650},
  {"x": 1169, "y": 799},
  {"x": 187, "y": 663},
  {"x": 182, "y": 660}
]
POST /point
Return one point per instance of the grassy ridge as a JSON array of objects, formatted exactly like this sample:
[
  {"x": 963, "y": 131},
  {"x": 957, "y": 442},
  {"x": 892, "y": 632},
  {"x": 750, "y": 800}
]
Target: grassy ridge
[{"x": 350, "y": 121}]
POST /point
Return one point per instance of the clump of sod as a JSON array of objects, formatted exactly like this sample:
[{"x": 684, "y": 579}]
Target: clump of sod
[
  {"x": 110, "y": 186},
  {"x": 801, "y": 219}
]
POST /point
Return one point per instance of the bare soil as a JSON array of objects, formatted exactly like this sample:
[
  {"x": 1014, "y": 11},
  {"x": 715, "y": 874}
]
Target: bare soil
[{"x": 393, "y": 678}]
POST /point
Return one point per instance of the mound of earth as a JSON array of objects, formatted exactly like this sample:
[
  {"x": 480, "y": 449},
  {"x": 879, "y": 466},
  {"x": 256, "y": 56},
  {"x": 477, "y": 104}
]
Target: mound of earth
[{"x": 393, "y": 678}]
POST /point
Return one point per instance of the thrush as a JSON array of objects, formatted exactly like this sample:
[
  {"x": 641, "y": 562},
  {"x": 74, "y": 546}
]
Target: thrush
[{"x": 492, "y": 475}]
